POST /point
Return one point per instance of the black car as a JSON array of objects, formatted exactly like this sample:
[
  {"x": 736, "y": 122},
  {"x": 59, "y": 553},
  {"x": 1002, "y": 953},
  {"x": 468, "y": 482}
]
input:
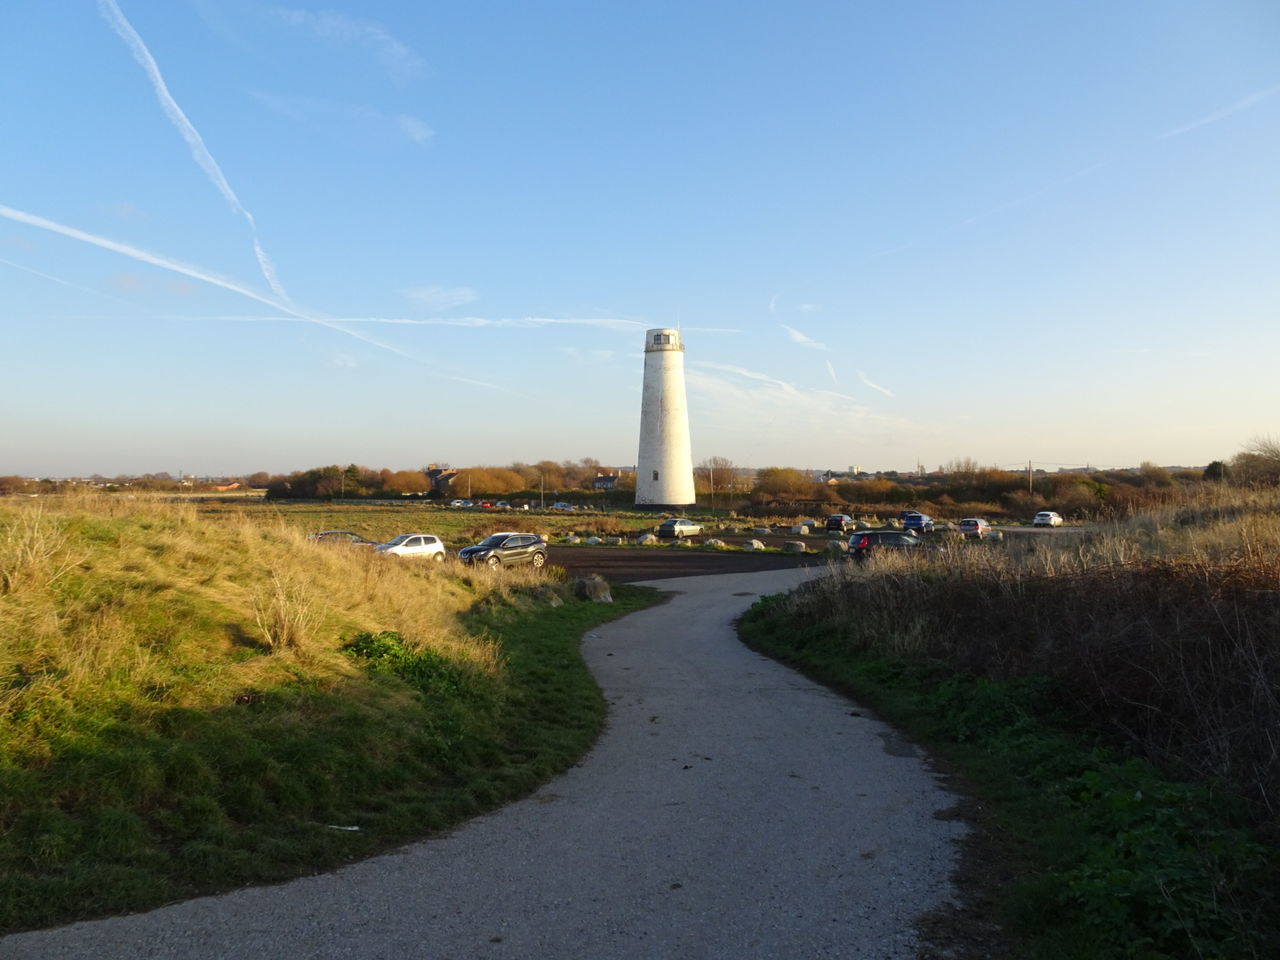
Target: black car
[
  {"x": 839, "y": 523},
  {"x": 863, "y": 545},
  {"x": 341, "y": 536},
  {"x": 507, "y": 549}
]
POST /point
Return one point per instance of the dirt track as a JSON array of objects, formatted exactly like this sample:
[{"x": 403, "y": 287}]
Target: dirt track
[{"x": 629, "y": 564}]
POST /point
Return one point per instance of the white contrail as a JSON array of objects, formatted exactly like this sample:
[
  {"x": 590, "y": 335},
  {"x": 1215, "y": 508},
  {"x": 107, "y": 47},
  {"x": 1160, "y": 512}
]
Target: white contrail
[
  {"x": 1243, "y": 103},
  {"x": 112, "y": 14},
  {"x": 195, "y": 273},
  {"x": 800, "y": 338},
  {"x": 65, "y": 283},
  {"x": 874, "y": 386}
]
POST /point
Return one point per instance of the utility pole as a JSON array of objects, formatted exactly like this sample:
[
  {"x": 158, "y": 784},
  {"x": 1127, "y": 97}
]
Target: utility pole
[{"x": 1029, "y": 489}]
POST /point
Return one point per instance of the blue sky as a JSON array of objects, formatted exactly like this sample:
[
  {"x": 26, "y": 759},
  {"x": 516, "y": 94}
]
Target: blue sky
[{"x": 238, "y": 235}]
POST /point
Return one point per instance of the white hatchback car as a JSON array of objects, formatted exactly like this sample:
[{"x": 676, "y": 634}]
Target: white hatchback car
[
  {"x": 413, "y": 545},
  {"x": 1047, "y": 518}
]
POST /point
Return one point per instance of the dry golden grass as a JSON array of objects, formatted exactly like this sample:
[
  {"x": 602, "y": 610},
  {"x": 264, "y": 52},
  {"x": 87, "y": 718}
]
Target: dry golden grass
[
  {"x": 1162, "y": 627},
  {"x": 101, "y": 595}
]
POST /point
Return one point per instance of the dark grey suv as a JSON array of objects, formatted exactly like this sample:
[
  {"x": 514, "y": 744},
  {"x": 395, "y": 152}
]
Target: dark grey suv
[
  {"x": 507, "y": 549},
  {"x": 862, "y": 546}
]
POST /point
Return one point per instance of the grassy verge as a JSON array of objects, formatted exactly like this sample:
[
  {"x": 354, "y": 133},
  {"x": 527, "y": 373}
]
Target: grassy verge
[
  {"x": 188, "y": 706},
  {"x": 1112, "y": 708}
]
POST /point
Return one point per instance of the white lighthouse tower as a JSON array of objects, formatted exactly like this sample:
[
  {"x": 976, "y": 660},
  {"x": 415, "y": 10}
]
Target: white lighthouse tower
[{"x": 664, "y": 468}]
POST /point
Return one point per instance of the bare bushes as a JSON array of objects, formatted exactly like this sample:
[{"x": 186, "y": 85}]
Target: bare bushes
[
  {"x": 1165, "y": 639},
  {"x": 285, "y": 613}
]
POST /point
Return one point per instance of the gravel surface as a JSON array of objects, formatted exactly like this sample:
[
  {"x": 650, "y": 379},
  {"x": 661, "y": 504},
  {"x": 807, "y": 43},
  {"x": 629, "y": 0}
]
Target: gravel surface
[
  {"x": 633, "y": 564},
  {"x": 731, "y": 809}
]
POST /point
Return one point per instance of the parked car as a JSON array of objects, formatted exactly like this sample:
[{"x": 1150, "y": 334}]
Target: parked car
[
  {"x": 413, "y": 545},
  {"x": 345, "y": 537},
  {"x": 502, "y": 505},
  {"x": 839, "y": 523},
  {"x": 561, "y": 505},
  {"x": 915, "y": 520},
  {"x": 678, "y": 527},
  {"x": 975, "y": 528},
  {"x": 457, "y": 503},
  {"x": 864, "y": 545},
  {"x": 506, "y": 549},
  {"x": 1047, "y": 518}
]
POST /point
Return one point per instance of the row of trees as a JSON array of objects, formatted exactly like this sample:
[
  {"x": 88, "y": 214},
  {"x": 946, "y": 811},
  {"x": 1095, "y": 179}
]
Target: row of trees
[
  {"x": 962, "y": 481},
  {"x": 354, "y": 481},
  {"x": 997, "y": 491}
]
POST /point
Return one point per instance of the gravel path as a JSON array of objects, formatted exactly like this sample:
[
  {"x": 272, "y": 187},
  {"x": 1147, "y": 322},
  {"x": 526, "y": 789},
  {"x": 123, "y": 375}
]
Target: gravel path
[{"x": 731, "y": 809}]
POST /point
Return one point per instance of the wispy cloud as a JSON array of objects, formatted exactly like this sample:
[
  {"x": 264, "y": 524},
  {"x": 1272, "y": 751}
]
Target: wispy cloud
[
  {"x": 504, "y": 321},
  {"x": 746, "y": 374},
  {"x": 802, "y": 339},
  {"x": 440, "y": 298},
  {"x": 808, "y": 307},
  {"x": 832, "y": 370},
  {"x": 874, "y": 386},
  {"x": 63, "y": 283},
  {"x": 496, "y": 323},
  {"x": 587, "y": 358},
  {"x": 773, "y": 304},
  {"x": 123, "y": 210},
  {"x": 337, "y": 119},
  {"x": 397, "y": 59},
  {"x": 414, "y": 129},
  {"x": 764, "y": 409},
  {"x": 115, "y": 18},
  {"x": 1244, "y": 103}
]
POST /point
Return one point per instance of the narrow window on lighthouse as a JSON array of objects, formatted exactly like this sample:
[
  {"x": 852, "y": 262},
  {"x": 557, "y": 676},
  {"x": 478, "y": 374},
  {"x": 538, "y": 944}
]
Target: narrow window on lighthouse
[{"x": 655, "y": 475}]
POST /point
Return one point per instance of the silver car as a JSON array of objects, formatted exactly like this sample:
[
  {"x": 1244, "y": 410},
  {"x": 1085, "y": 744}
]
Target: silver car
[{"x": 678, "y": 527}]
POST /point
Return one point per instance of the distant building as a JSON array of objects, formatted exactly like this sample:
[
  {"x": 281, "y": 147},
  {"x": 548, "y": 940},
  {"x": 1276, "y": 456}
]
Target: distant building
[
  {"x": 440, "y": 478},
  {"x": 606, "y": 481}
]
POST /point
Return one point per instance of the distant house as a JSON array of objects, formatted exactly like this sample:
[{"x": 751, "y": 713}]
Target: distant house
[
  {"x": 606, "y": 481},
  {"x": 440, "y": 478}
]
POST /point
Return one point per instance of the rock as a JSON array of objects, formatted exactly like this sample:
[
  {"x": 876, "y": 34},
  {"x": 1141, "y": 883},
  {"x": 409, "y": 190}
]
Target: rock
[
  {"x": 753, "y": 545},
  {"x": 716, "y": 544},
  {"x": 613, "y": 540},
  {"x": 646, "y": 538},
  {"x": 837, "y": 547},
  {"x": 862, "y": 525},
  {"x": 794, "y": 546},
  {"x": 592, "y": 540},
  {"x": 800, "y": 530},
  {"x": 592, "y": 587},
  {"x": 730, "y": 528},
  {"x": 548, "y": 596},
  {"x": 571, "y": 539},
  {"x": 762, "y": 531}
]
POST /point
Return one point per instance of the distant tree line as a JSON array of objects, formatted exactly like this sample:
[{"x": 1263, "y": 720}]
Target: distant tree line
[
  {"x": 965, "y": 486},
  {"x": 442, "y": 481}
]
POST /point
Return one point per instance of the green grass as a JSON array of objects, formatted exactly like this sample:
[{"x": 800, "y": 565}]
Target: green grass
[
  {"x": 1113, "y": 860},
  {"x": 457, "y": 527},
  {"x": 156, "y": 744}
]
